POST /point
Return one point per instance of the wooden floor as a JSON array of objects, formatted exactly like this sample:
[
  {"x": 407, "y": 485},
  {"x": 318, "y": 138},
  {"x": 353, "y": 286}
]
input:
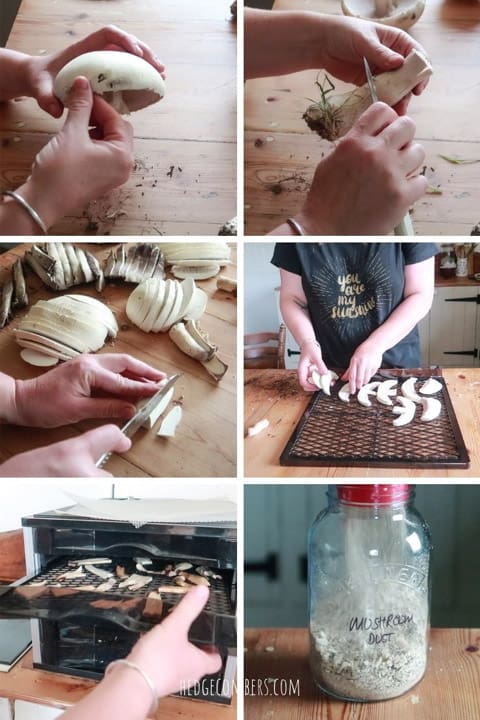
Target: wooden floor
[
  {"x": 205, "y": 444},
  {"x": 281, "y": 153},
  {"x": 192, "y": 130}
]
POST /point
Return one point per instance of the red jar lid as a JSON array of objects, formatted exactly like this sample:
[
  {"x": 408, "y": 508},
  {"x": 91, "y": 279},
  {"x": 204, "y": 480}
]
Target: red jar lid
[{"x": 373, "y": 494}]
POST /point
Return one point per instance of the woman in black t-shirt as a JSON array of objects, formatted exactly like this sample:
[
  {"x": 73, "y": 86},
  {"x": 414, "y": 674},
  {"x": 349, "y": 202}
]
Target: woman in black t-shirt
[{"x": 355, "y": 306}]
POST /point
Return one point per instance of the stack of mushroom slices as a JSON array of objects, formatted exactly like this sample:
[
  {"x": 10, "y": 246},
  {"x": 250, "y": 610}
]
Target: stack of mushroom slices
[{"x": 64, "y": 327}]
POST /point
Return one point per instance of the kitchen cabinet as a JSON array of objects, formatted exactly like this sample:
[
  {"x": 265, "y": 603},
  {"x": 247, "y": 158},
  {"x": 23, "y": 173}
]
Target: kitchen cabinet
[
  {"x": 277, "y": 519},
  {"x": 450, "y": 333}
]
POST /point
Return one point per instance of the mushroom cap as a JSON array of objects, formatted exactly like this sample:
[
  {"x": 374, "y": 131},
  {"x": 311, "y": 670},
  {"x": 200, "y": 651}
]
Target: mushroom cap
[
  {"x": 404, "y": 15},
  {"x": 111, "y": 72}
]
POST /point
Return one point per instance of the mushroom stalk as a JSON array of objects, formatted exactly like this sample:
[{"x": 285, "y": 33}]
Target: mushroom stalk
[{"x": 334, "y": 116}]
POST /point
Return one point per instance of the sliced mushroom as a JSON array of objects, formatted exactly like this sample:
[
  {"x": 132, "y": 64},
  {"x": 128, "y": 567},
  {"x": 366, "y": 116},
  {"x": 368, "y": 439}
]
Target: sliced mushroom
[
  {"x": 431, "y": 409},
  {"x": 124, "y": 80},
  {"x": 344, "y": 393},
  {"x": 365, "y": 391},
  {"x": 406, "y": 413},
  {"x": 258, "y": 427},
  {"x": 408, "y": 390},
  {"x": 386, "y": 390},
  {"x": 430, "y": 387},
  {"x": 325, "y": 381},
  {"x": 171, "y": 422}
]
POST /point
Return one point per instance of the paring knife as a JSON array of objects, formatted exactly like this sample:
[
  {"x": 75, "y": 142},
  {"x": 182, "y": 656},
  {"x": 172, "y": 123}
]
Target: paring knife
[
  {"x": 405, "y": 227},
  {"x": 136, "y": 422}
]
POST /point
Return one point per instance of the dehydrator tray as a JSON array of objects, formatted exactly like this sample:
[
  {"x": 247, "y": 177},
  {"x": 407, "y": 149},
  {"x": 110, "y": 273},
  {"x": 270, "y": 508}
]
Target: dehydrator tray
[{"x": 332, "y": 432}]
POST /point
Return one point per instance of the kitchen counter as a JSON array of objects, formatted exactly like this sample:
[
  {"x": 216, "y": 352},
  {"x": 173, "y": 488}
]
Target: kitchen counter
[
  {"x": 277, "y": 396},
  {"x": 281, "y": 153},
  {"x": 184, "y": 181},
  {"x": 448, "y": 691},
  {"x": 23, "y": 682},
  {"x": 205, "y": 441}
]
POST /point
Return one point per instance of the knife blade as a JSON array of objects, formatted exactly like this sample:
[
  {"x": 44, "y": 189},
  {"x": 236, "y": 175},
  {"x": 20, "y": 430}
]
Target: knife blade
[
  {"x": 136, "y": 422},
  {"x": 405, "y": 227}
]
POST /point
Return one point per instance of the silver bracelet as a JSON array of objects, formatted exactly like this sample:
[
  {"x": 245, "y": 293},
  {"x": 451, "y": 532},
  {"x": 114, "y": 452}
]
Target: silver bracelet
[
  {"x": 296, "y": 227},
  {"x": 33, "y": 213},
  {"x": 148, "y": 680}
]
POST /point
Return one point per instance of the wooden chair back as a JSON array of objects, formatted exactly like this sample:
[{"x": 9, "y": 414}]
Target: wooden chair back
[{"x": 265, "y": 349}]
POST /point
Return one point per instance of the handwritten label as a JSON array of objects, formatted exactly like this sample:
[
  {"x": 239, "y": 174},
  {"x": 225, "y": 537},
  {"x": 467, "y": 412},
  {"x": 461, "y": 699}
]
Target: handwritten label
[{"x": 379, "y": 623}]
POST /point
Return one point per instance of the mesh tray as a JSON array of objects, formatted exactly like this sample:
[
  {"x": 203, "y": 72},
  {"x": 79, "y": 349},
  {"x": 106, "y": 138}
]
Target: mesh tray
[{"x": 332, "y": 432}]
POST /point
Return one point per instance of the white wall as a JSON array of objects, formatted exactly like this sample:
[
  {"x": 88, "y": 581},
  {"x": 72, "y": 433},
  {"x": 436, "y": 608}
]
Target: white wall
[{"x": 261, "y": 279}]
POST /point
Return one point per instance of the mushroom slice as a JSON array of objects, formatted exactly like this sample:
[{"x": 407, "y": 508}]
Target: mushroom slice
[
  {"x": 430, "y": 387},
  {"x": 125, "y": 81},
  {"x": 344, "y": 393},
  {"x": 33, "y": 357},
  {"x": 431, "y": 409},
  {"x": 405, "y": 413},
  {"x": 170, "y": 422},
  {"x": 325, "y": 381},
  {"x": 365, "y": 391},
  {"x": 408, "y": 390},
  {"x": 258, "y": 427},
  {"x": 386, "y": 389},
  {"x": 159, "y": 409}
]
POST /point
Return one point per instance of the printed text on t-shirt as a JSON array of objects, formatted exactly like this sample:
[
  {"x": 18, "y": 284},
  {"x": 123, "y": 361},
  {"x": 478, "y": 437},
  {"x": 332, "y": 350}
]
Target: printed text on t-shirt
[{"x": 350, "y": 287}]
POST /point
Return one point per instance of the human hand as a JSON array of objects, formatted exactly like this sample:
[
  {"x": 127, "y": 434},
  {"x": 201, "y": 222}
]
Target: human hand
[
  {"x": 310, "y": 360},
  {"x": 79, "y": 165},
  {"x": 165, "y": 653},
  {"x": 89, "y": 386},
  {"x": 368, "y": 182},
  {"x": 346, "y": 41},
  {"x": 70, "y": 458},
  {"x": 42, "y": 70},
  {"x": 364, "y": 363}
]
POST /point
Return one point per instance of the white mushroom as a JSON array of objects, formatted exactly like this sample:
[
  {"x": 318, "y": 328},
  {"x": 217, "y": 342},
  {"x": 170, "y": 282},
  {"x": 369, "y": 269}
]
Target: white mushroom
[
  {"x": 399, "y": 13},
  {"x": 170, "y": 422},
  {"x": 386, "y": 390},
  {"x": 408, "y": 390},
  {"x": 431, "y": 409},
  {"x": 405, "y": 413},
  {"x": 430, "y": 387},
  {"x": 124, "y": 80},
  {"x": 365, "y": 391},
  {"x": 334, "y": 115},
  {"x": 258, "y": 427},
  {"x": 323, "y": 382},
  {"x": 344, "y": 393}
]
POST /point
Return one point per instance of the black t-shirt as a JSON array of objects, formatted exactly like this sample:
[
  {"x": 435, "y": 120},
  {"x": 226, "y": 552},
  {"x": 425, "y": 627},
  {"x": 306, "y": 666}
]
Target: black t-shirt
[{"x": 351, "y": 289}]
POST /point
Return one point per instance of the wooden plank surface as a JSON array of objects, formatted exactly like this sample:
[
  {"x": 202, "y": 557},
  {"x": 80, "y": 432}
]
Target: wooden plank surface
[
  {"x": 277, "y": 396},
  {"x": 192, "y": 128},
  {"x": 205, "y": 442},
  {"x": 278, "y": 144},
  {"x": 23, "y": 682},
  {"x": 449, "y": 688}
]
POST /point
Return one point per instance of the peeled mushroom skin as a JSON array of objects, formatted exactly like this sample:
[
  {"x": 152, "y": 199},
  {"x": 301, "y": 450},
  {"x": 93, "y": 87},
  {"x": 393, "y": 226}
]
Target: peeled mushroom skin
[{"x": 125, "y": 81}]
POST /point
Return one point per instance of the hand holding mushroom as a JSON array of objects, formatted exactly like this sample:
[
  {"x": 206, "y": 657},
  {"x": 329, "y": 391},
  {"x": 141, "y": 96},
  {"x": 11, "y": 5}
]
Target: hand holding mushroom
[
  {"x": 364, "y": 363},
  {"x": 310, "y": 361},
  {"x": 41, "y": 71},
  {"x": 71, "y": 458},
  {"x": 90, "y": 386}
]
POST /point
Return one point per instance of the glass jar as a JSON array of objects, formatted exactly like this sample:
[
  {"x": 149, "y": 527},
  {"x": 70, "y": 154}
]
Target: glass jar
[{"x": 369, "y": 592}]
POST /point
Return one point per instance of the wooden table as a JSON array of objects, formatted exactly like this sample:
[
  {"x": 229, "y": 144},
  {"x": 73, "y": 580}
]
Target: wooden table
[
  {"x": 278, "y": 144},
  {"x": 192, "y": 130},
  {"x": 277, "y": 396},
  {"x": 205, "y": 442},
  {"x": 448, "y": 690},
  {"x": 23, "y": 682}
]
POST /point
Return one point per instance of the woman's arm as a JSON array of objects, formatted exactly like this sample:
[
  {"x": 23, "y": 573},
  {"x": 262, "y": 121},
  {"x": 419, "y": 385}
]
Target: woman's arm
[
  {"x": 417, "y": 301},
  {"x": 294, "y": 309}
]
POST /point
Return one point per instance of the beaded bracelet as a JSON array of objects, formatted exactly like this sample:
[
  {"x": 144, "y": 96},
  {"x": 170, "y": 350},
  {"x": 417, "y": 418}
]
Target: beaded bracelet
[
  {"x": 148, "y": 680},
  {"x": 26, "y": 206}
]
